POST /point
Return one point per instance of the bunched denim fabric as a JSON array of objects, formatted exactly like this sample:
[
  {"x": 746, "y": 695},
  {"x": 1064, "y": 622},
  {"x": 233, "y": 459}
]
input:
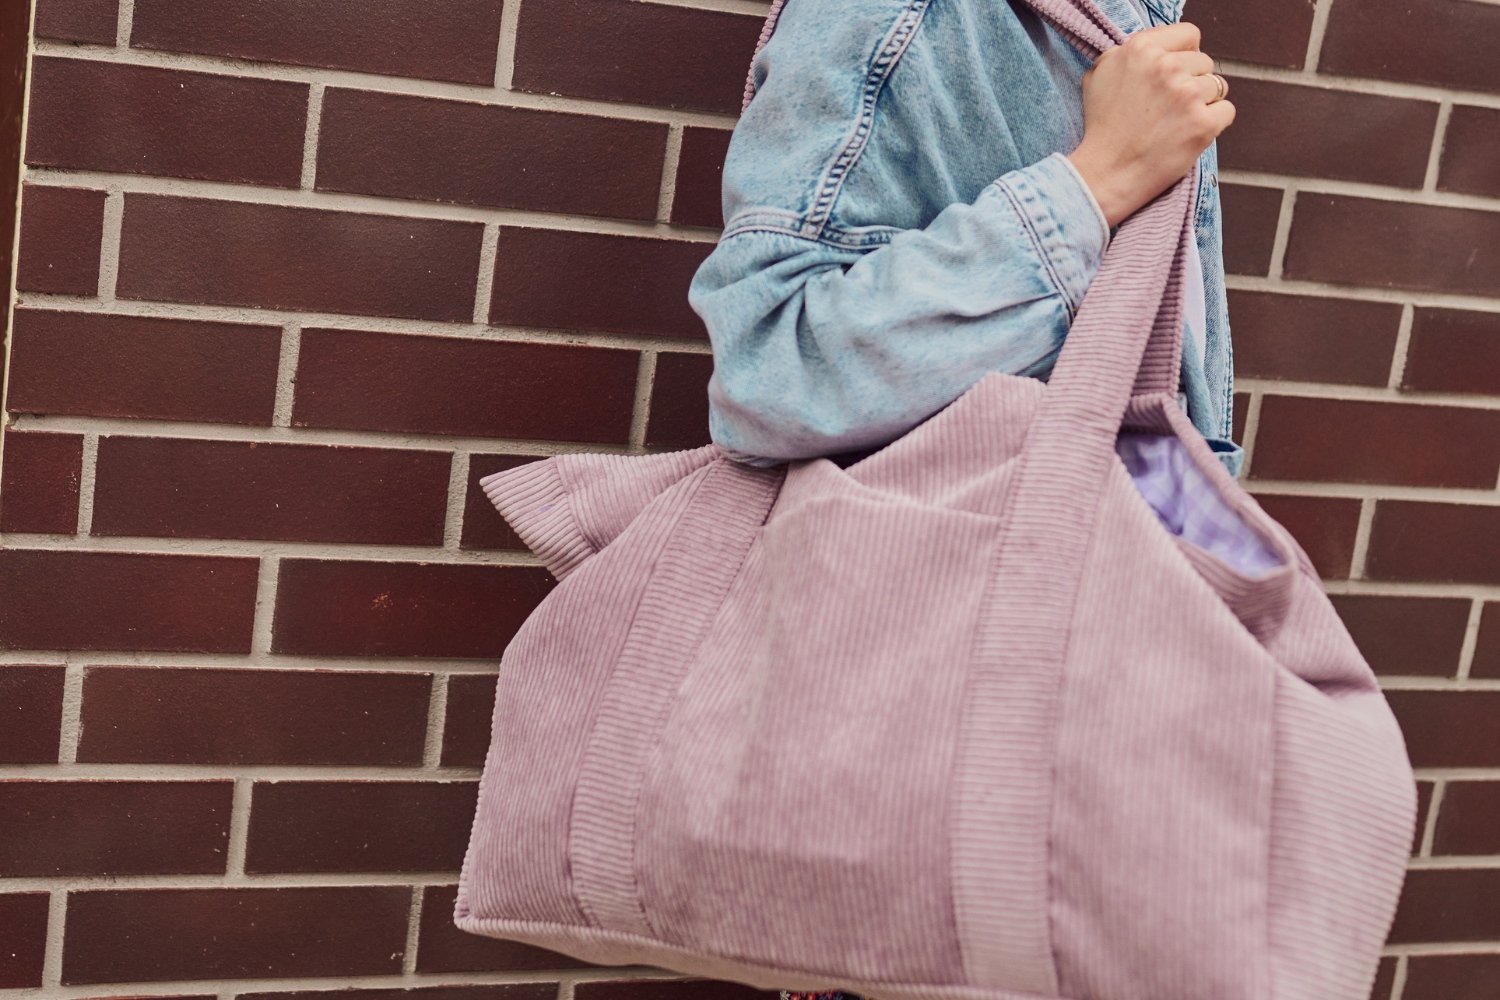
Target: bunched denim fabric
[{"x": 900, "y": 219}]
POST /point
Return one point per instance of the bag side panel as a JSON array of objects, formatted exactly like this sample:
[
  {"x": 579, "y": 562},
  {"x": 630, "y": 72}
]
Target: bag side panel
[{"x": 1161, "y": 813}]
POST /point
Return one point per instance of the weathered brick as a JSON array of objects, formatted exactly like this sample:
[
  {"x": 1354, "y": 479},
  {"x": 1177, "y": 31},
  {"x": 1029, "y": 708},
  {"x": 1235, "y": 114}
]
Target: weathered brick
[
  {"x": 56, "y": 599},
  {"x": 1365, "y": 441},
  {"x": 176, "y": 249},
  {"x": 61, "y": 229},
  {"x": 30, "y": 713},
  {"x": 596, "y": 281},
  {"x": 195, "y": 488},
  {"x": 1313, "y": 338},
  {"x": 328, "y": 607},
  {"x": 590, "y": 48},
  {"x": 679, "y": 401},
  {"x": 39, "y": 482},
  {"x": 1467, "y": 822},
  {"x": 1453, "y": 350},
  {"x": 1324, "y": 526},
  {"x": 479, "y": 154},
  {"x": 1269, "y": 32},
  {"x": 1449, "y": 728},
  {"x": 201, "y": 715},
  {"x": 24, "y": 917},
  {"x": 157, "y": 935},
  {"x": 1434, "y": 542},
  {"x": 465, "y": 386},
  {"x": 442, "y": 947},
  {"x": 697, "y": 196},
  {"x": 88, "y": 115},
  {"x": 77, "y": 20},
  {"x": 157, "y": 369},
  {"x": 1379, "y": 243},
  {"x": 359, "y": 826},
  {"x": 484, "y": 528},
  {"x": 1471, "y": 152},
  {"x": 456, "y": 40},
  {"x": 1447, "y": 45},
  {"x": 467, "y": 715},
  {"x": 1406, "y": 636},
  {"x": 50, "y": 828},
  {"x": 1249, "y": 227},
  {"x": 1448, "y": 904},
  {"x": 1320, "y": 131}
]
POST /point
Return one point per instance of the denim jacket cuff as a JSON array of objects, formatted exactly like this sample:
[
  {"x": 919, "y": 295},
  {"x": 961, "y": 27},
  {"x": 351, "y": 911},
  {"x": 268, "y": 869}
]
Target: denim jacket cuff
[{"x": 1064, "y": 219}]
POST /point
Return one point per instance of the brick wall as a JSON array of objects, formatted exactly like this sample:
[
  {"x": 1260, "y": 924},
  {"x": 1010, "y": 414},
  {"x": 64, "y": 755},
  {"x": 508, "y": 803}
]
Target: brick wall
[{"x": 294, "y": 275}]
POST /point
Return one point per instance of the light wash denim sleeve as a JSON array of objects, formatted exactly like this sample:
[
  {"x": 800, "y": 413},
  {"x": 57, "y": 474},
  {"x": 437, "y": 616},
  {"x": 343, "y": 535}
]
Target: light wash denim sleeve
[{"x": 825, "y": 346}]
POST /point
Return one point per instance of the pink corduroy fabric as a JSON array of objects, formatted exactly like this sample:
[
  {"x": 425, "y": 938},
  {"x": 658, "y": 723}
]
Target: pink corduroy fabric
[{"x": 963, "y": 720}]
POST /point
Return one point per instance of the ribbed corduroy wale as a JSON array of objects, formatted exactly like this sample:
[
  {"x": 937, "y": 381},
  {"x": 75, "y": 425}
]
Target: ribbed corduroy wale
[{"x": 958, "y": 721}]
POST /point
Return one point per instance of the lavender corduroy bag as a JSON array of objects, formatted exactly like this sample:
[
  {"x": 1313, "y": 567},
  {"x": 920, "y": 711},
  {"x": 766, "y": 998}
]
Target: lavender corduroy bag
[{"x": 969, "y": 719}]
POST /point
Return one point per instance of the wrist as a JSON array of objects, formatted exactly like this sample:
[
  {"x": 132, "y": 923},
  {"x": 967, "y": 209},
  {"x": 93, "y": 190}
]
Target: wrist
[{"x": 1104, "y": 184}]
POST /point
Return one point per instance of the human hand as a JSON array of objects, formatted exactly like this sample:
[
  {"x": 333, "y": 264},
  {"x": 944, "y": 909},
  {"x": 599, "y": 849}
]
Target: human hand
[{"x": 1147, "y": 116}]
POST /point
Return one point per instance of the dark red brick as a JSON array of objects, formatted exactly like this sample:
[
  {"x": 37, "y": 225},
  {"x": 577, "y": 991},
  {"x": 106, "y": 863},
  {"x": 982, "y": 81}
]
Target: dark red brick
[
  {"x": 442, "y": 947},
  {"x": 1449, "y": 728},
  {"x": 1379, "y": 243},
  {"x": 1487, "y": 651},
  {"x": 1452, "y": 977},
  {"x": 88, "y": 115},
  {"x": 484, "y": 528},
  {"x": 466, "y": 719},
  {"x": 1446, "y": 44},
  {"x": 51, "y": 828},
  {"x": 479, "y": 154},
  {"x": 273, "y": 257},
  {"x": 24, "y": 917},
  {"x": 1434, "y": 542},
  {"x": 1249, "y": 227},
  {"x": 77, "y": 20},
  {"x": 495, "y": 991},
  {"x": 679, "y": 401},
  {"x": 1313, "y": 338},
  {"x": 327, "y": 607},
  {"x": 359, "y": 826},
  {"x": 61, "y": 229},
  {"x": 195, "y": 488},
  {"x": 158, "y": 935},
  {"x": 201, "y": 715},
  {"x": 30, "y": 713},
  {"x": 1469, "y": 822},
  {"x": 40, "y": 482},
  {"x": 1361, "y": 441},
  {"x": 667, "y": 989},
  {"x": 1269, "y": 32},
  {"x": 56, "y": 599},
  {"x": 465, "y": 386},
  {"x": 157, "y": 369},
  {"x": 1471, "y": 152},
  {"x": 1319, "y": 131},
  {"x": 596, "y": 281},
  {"x": 1406, "y": 636},
  {"x": 1453, "y": 350},
  {"x": 454, "y": 41},
  {"x": 1448, "y": 904},
  {"x": 1324, "y": 526},
  {"x": 592, "y": 48},
  {"x": 697, "y": 197}
]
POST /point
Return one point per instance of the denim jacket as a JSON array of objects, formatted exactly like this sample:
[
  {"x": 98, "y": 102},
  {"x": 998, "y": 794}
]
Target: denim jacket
[{"x": 900, "y": 220}]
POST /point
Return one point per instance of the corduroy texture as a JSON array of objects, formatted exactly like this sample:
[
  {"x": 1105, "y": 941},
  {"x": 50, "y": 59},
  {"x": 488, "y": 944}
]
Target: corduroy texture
[{"x": 1053, "y": 748}]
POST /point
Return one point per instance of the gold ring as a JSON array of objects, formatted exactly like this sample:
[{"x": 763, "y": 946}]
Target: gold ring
[{"x": 1223, "y": 89}]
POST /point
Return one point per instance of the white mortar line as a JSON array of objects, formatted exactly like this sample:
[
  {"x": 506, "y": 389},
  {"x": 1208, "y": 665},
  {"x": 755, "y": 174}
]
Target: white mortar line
[
  {"x": 124, "y": 21},
  {"x": 640, "y": 414},
  {"x": 1315, "y": 37},
  {"x": 286, "y": 374},
  {"x": 52, "y": 954},
  {"x": 1398, "y": 981},
  {"x": 670, "y": 161},
  {"x": 505, "y": 53},
  {"x": 1471, "y": 640},
  {"x": 1362, "y": 538},
  {"x": 413, "y": 932},
  {"x": 239, "y": 833},
  {"x": 1251, "y": 426},
  {"x": 266, "y": 574},
  {"x": 1429, "y": 829},
  {"x": 437, "y": 706},
  {"x": 109, "y": 243},
  {"x": 1401, "y": 350},
  {"x": 72, "y": 717},
  {"x": 489, "y": 250},
  {"x": 457, "y": 499},
  {"x": 88, "y": 468},
  {"x": 219, "y": 772},
  {"x": 1439, "y": 140},
  {"x": 1391, "y": 682},
  {"x": 1283, "y": 231},
  {"x": 310, "y": 139}
]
